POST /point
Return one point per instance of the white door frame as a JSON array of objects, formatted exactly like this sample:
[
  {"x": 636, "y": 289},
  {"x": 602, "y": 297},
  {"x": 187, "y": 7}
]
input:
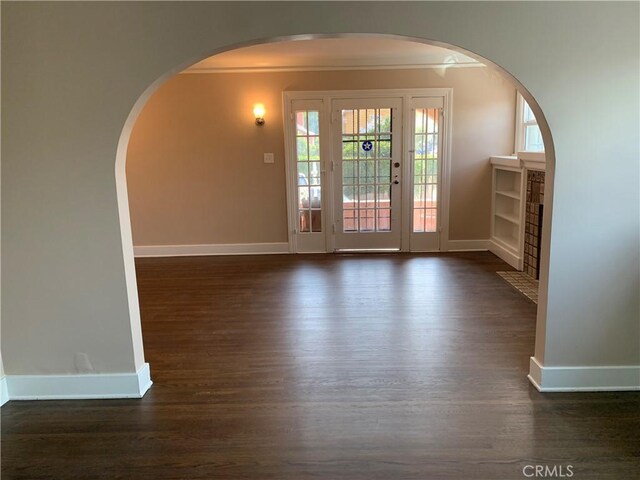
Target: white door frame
[
  {"x": 319, "y": 241},
  {"x": 324, "y": 98}
]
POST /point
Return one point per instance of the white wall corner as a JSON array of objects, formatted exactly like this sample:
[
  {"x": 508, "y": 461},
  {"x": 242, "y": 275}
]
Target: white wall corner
[
  {"x": 468, "y": 245},
  {"x": 535, "y": 373},
  {"x": 213, "y": 249},
  {"x": 4, "y": 391},
  {"x": 584, "y": 379},
  {"x": 76, "y": 387}
]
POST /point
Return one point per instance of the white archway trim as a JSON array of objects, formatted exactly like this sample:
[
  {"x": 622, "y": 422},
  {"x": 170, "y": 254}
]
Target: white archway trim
[{"x": 123, "y": 202}]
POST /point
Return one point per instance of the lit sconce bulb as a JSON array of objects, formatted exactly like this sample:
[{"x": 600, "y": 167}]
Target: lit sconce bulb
[{"x": 258, "y": 112}]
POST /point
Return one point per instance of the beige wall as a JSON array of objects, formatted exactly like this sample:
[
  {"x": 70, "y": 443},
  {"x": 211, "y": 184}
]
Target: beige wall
[
  {"x": 194, "y": 166},
  {"x": 75, "y": 73}
]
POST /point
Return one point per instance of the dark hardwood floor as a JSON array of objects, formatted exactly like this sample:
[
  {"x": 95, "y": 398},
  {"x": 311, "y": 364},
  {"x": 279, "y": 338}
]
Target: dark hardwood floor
[{"x": 329, "y": 367}]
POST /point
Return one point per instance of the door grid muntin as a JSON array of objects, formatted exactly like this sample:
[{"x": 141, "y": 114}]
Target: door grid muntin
[{"x": 366, "y": 169}]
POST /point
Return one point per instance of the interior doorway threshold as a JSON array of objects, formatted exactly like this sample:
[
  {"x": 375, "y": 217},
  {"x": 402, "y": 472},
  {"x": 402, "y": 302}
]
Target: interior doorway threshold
[{"x": 367, "y": 250}]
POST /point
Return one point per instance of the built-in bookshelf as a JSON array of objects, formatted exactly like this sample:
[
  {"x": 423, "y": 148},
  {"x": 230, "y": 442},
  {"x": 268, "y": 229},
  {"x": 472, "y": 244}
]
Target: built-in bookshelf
[
  {"x": 508, "y": 202},
  {"x": 507, "y": 210}
]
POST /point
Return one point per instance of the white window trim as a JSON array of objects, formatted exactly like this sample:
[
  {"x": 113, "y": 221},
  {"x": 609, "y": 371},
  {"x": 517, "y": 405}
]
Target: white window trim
[{"x": 521, "y": 125}]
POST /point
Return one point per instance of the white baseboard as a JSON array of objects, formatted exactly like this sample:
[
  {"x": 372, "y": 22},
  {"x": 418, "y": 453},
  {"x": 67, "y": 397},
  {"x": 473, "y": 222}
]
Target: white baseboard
[
  {"x": 82, "y": 386},
  {"x": 267, "y": 249},
  {"x": 468, "y": 245},
  {"x": 219, "y": 249},
  {"x": 506, "y": 255},
  {"x": 4, "y": 392},
  {"x": 584, "y": 379}
]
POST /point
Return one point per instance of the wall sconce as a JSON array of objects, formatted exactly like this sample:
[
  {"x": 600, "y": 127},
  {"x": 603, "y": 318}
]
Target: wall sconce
[{"x": 258, "y": 112}]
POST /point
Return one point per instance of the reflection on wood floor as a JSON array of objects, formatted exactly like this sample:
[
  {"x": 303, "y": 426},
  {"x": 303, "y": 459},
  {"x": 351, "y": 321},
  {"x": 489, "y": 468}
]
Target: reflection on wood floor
[{"x": 331, "y": 367}]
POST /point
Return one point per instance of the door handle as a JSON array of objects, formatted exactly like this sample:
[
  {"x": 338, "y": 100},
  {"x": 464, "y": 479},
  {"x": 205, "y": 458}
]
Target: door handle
[{"x": 396, "y": 182}]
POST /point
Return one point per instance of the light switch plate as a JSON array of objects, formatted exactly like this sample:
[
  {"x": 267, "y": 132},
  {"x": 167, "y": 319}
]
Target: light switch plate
[{"x": 268, "y": 158}]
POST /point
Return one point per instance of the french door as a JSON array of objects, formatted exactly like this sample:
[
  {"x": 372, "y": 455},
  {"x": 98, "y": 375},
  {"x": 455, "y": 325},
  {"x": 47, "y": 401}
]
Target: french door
[
  {"x": 425, "y": 165},
  {"x": 367, "y": 176},
  {"x": 307, "y": 176},
  {"x": 366, "y": 172}
]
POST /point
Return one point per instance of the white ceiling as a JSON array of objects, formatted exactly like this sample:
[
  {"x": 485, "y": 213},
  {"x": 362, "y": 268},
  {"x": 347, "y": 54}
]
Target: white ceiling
[{"x": 333, "y": 53}]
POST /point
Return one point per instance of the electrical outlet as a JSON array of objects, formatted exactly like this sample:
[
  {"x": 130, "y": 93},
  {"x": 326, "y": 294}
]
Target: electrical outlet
[{"x": 268, "y": 158}]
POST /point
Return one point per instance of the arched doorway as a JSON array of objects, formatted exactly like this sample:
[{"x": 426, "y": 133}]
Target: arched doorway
[{"x": 120, "y": 170}]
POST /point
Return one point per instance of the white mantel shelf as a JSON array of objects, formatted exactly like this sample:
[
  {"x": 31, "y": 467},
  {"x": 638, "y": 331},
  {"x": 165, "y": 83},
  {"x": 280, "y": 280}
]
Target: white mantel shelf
[
  {"x": 505, "y": 161},
  {"x": 528, "y": 160}
]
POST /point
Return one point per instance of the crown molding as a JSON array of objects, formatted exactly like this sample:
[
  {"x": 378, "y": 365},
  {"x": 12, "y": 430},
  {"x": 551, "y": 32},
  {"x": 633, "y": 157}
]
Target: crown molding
[{"x": 321, "y": 68}]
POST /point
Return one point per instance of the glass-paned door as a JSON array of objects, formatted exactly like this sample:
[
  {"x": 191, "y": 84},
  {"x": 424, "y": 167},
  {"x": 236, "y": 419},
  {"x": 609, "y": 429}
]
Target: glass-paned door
[
  {"x": 309, "y": 171},
  {"x": 367, "y": 173},
  {"x": 425, "y": 155}
]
